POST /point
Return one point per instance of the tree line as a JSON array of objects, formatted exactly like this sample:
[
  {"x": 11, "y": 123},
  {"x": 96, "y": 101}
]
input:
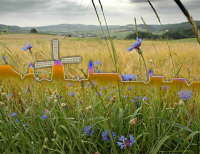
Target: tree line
[{"x": 188, "y": 33}]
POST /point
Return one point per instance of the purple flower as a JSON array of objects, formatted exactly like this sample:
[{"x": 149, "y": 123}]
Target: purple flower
[
  {"x": 70, "y": 84},
  {"x": 17, "y": 120},
  {"x": 125, "y": 96},
  {"x": 98, "y": 62},
  {"x": 29, "y": 46},
  {"x": 24, "y": 48},
  {"x": 28, "y": 88},
  {"x": 126, "y": 143},
  {"x": 44, "y": 115},
  {"x": 106, "y": 136},
  {"x": 133, "y": 100},
  {"x": 138, "y": 77},
  {"x": 165, "y": 87},
  {"x": 13, "y": 114},
  {"x": 135, "y": 45},
  {"x": 36, "y": 75},
  {"x": 127, "y": 77},
  {"x": 72, "y": 93},
  {"x": 109, "y": 97},
  {"x": 140, "y": 97},
  {"x": 99, "y": 93},
  {"x": 87, "y": 130},
  {"x": 4, "y": 58},
  {"x": 145, "y": 98},
  {"x": 87, "y": 85},
  {"x": 24, "y": 126},
  {"x": 185, "y": 94},
  {"x": 100, "y": 71},
  {"x": 94, "y": 83},
  {"x": 106, "y": 87},
  {"x": 129, "y": 88}
]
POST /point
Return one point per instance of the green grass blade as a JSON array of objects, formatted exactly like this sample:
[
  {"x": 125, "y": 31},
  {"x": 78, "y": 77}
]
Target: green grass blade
[{"x": 179, "y": 69}]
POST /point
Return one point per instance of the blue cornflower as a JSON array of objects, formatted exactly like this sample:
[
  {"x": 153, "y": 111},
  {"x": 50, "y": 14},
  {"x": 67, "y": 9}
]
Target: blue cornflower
[
  {"x": 87, "y": 130},
  {"x": 44, "y": 115},
  {"x": 140, "y": 98},
  {"x": 13, "y": 114},
  {"x": 124, "y": 78},
  {"x": 24, "y": 126},
  {"x": 125, "y": 96},
  {"x": 185, "y": 94},
  {"x": 126, "y": 143},
  {"x": 165, "y": 87},
  {"x": 72, "y": 93},
  {"x": 135, "y": 45},
  {"x": 36, "y": 75},
  {"x": 87, "y": 85},
  {"x": 145, "y": 98},
  {"x": 17, "y": 120},
  {"x": 109, "y": 97},
  {"x": 100, "y": 71},
  {"x": 106, "y": 136},
  {"x": 4, "y": 58},
  {"x": 29, "y": 46},
  {"x": 70, "y": 84},
  {"x": 94, "y": 83},
  {"x": 24, "y": 48},
  {"x": 129, "y": 88},
  {"x": 99, "y": 93},
  {"x": 28, "y": 88},
  {"x": 106, "y": 87},
  {"x": 127, "y": 77},
  {"x": 133, "y": 101},
  {"x": 98, "y": 62}
]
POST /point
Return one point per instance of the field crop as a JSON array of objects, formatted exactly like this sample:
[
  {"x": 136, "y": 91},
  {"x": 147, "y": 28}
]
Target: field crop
[{"x": 93, "y": 117}]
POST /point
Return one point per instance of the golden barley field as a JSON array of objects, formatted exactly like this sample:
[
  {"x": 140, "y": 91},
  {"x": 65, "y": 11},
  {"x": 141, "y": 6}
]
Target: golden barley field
[{"x": 97, "y": 50}]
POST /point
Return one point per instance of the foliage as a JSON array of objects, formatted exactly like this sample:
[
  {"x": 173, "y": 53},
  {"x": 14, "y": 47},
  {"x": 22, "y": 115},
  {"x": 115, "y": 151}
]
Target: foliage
[{"x": 33, "y": 30}]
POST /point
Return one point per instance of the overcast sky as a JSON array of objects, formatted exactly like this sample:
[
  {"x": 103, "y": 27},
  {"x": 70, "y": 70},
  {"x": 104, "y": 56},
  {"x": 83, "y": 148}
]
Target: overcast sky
[{"x": 118, "y": 12}]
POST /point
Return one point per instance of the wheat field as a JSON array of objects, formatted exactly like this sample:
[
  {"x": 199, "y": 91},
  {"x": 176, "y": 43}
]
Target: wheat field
[{"x": 97, "y": 50}]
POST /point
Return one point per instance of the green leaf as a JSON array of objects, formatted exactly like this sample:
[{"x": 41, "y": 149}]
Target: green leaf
[
  {"x": 161, "y": 142},
  {"x": 176, "y": 124},
  {"x": 134, "y": 114},
  {"x": 120, "y": 122},
  {"x": 189, "y": 137},
  {"x": 179, "y": 69}
]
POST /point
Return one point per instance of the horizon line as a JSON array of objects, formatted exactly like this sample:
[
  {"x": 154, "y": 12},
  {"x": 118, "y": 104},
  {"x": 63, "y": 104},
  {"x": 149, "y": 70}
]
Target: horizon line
[{"x": 97, "y": 25}]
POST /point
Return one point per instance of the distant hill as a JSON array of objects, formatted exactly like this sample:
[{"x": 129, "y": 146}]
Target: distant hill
[
  {"x": 70, "y": 27},
  {"x": 170, "y": 27},
  {"x": 15, "y": 29},
  {"x": 187, "y": 33},
  {"x": 117, "y": 31}
]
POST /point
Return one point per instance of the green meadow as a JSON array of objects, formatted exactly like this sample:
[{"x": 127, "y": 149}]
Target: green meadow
[{"x": 95, "y": 117}]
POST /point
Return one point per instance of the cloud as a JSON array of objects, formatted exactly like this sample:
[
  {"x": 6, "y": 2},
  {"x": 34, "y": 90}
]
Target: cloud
[{"x": 121, "y": 12}]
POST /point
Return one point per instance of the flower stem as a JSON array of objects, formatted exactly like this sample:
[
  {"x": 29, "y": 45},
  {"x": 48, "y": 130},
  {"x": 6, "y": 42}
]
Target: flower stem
[
  {"x": 32, "y": 54},
  {"x": 144, "y": 63}
]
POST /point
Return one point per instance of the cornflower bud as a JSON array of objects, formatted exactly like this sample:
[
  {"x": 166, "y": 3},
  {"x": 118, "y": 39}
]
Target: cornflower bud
[{"x": 133, "y": 122}]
